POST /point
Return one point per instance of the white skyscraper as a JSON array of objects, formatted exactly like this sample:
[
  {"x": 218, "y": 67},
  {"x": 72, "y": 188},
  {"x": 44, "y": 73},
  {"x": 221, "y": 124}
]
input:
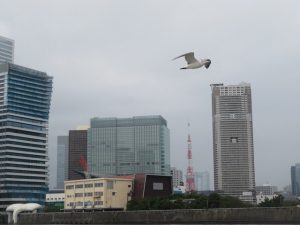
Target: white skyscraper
[
  {"x": 6, "y": 50},
  {"x": 177, "y": 177},
  {"x": 233, "y": 140}
]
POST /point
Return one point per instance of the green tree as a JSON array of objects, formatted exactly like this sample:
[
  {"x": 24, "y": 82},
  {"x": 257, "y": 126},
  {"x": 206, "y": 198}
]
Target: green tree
[
  {"x": 289, "y": 203},
  {"x": 214, "y": 200},
  {"x": 231, "y": 202},
  {"x": 277, "y": 201},
  {"x": 186, "y": 201}
]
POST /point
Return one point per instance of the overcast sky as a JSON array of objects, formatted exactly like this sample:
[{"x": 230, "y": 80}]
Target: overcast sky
[{"x": 113, "y": 59}]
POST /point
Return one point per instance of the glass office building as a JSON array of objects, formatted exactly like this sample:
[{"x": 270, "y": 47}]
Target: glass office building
[
  {"x": 128, "y": 146},
  {"x": 202, "y": 181},
  {"x": 62, "y": 161},
  {"x": 25, "y": 96},
  {"x": 6, "y": 50},
  {"x": 295, "y": 178}
]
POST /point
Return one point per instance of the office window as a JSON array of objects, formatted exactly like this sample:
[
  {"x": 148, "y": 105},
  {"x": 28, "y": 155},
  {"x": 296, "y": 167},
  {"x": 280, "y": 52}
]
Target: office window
[
  {"x": 78, "y": 195},
  {"x": 88, "y": 185},
  {"x": 78, "y": 186},
  {"x": 98, "y": 184},
  {"x": 88, "y": 194},
  {"x": 98, "y": 202},
  {"x": 98, "y": 194},
  {"x": 110, "y": 184},
  {"x": 79, "y": 203}
]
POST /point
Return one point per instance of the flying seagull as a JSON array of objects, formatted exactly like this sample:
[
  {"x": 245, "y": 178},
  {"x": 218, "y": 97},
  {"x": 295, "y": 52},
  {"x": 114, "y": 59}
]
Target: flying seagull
[{"x": 192, "y": 62}]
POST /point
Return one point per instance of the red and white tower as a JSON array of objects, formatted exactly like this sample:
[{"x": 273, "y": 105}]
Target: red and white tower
[{"x": 190, "y": 178}]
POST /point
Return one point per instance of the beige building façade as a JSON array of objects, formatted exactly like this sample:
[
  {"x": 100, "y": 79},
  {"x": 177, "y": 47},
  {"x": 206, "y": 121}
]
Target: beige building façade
[{"x": 98, "y": 193}]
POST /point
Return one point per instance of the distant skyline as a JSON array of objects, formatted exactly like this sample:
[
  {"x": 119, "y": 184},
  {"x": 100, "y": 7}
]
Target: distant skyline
[{"x": 113, "y": 59}]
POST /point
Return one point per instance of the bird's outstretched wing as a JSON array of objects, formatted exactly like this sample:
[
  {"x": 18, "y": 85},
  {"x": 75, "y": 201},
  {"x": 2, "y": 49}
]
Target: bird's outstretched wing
[{"x": 189, "y": 57}]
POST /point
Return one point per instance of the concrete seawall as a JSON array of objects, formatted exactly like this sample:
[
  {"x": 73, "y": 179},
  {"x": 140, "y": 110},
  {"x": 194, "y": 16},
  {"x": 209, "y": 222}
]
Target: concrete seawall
[
  {"x": 3, "y": 218},
  {"x": 245, "y": 215}
]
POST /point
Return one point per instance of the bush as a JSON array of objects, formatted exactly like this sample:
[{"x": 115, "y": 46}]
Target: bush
[
  {"x": 186, "y": 201},
  {"x": 277, "y": 201}
]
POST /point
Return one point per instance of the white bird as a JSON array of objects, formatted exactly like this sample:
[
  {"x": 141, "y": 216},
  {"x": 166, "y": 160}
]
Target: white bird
[{"x": 192, "y": 62}]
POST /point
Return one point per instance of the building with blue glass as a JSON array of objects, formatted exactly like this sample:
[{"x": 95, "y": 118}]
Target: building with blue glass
[
  {"x": 295, "y": 179},
  {"x": 7, "y": 47},
  {"x": 62, "y": 161},
  {"x": 122, "y": 146},
  {"x": 25, "y": 96}
]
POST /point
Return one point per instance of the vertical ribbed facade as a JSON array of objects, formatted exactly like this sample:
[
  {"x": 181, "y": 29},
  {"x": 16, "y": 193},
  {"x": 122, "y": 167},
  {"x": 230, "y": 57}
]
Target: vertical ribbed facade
[
  {"x": 25, "y": 96},
  {"x": 128, "y": 146},
  {"x": 6, "y": 50},
  {"x": 62, "y": 161},
  {"x": 233, "y": 140},
  {"x": 295, "y": 179}
]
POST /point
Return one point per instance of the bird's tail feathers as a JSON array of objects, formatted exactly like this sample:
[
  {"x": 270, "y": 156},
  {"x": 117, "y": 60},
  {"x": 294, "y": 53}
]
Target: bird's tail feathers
[{"x": 183, "y": 68}]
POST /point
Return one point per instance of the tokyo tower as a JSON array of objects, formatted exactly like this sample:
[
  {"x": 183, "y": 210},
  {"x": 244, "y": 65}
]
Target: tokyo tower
[{"x": 190, "y": 177}]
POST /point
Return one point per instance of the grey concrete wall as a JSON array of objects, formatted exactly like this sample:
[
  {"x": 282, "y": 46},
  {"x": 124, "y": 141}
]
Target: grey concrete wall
[
  {"x": 245, "y": 215},
  {"x": 3, "y": 218}
]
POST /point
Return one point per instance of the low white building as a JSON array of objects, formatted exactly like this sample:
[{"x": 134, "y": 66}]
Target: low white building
[
  {"x": 98, "y": 193},
  {"x": 177, "y": 177},
  {"x": 55, "y": 197},
  {"x": 266, "y": 189}
]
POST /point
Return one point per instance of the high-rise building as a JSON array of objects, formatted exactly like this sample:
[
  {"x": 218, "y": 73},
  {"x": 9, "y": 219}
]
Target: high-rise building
[
  {"x": 6, "y": 50},
  {"x": 77, "y": 153},
  {"x": 25, "y": 96},
  {"x": 62, "y": 160},
  {"x": 233, "y": 140},
  {"x": 129, "y": 145},
  {"x": 177, "y": 177},
  {"x": 202, "y": 181},
  {"x": 295, "y": 178}
]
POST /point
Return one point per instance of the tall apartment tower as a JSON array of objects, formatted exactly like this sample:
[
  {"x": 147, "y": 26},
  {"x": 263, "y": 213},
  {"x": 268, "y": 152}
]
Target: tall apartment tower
[
  {"x": 77, "y": 152},
  {"x": 295, "y": 178},
  {"x": 62, "y": 160},
  {"x": 6, "y": 50},
  {"x": 25, "y": 96},
  {"x": 233, "y": 141},
  {"x": 128, "y": 145},
  {"x": 177, "y": 177}
]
